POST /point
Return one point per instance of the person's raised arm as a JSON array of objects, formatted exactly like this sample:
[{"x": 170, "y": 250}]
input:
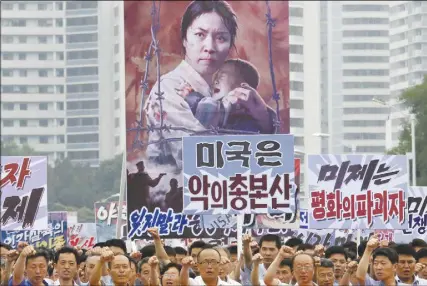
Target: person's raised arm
[
  {"x": 160, "y": 250},
  {"x": 19, "y": 270},
  {"x": 256, "y": 261},
  {"x": 349, "y": 274},
  {"x": 153, "y": 262},
  {"x": 184, "y": 277},
  {"x": 247, "y": 252},
  {"x": 106, "y": 256},
  {"x": 270, "y": 276},
  {"x": 235, "y": 275},
  {"x": 362, "y": 268}
]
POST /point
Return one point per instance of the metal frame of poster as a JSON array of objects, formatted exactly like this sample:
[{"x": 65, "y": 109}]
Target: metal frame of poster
[
  {"x": 170, "y": 96},
  {"x": 23, "y": 193}
]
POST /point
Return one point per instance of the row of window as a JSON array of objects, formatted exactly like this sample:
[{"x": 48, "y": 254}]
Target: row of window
[
  {"x": 364, "y": 33},
  {"x": 24, "y": 123},
  {"x": 42, "y": 56},
  {"x": 10, "y": 106},
  {"x": 366, "y": 110},
  {"x": 365, "y": 46},
  {"x": 364, "y": 97},
  {"x": 364, "y": 136},
  {"x": 82, "y": 38},
  {"x": 370, "y": 72},
  {"x": 365, "y": 8},
  {"x": 365, "y": 59},
  {"x": 6, "y": 39},
  {"x": 49, "y": 89},
  {"x": 6, "y": 5},
  {"x": 365, "y": 21},
  {"x": 364, "y": 123},
  {"x": 39, "y": 72},
  {"x": 349, "y": 85}
]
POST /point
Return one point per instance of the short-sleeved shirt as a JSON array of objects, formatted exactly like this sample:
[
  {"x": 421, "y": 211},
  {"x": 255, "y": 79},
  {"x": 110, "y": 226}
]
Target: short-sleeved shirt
[
  {"x": 24, "y": 282},
  {"x": 245, "y": 275}
]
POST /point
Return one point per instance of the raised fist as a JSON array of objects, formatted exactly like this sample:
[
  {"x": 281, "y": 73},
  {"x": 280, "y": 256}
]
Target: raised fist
[
  {"x": 419, "y": 267},
  {"x": 21, "y": 245},
  {"x": 187, "y": 262},
  {"x": 107, "y": 255},
  {"x": 153, "y": 262},
  {"x": 12, "y": 255},
  {"x": 247, "y": 239},
  {"x": 224, "y": 260},
  {"x": 28, "y": 251},
  {"x": 373, "y": 242},
  {"x": 136, "y": 255},
  {"x": 286, "y": 252},
  {"x": 352, "y": 267},
  {"x": 384, "y": 243},
  {"x": 319, "y": 250},
  {"x": 257, "y": 258},
  {"x": 154, "y": 232}
]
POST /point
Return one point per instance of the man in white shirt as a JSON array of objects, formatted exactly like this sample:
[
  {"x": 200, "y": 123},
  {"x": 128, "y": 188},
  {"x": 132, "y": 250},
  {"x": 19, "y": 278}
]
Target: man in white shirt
[
  {"x": 270, "y": 245},
  {"x": 208, "y": 261}
]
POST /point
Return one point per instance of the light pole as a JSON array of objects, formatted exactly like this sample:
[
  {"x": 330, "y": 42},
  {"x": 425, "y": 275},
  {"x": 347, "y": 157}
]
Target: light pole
[{"x": 389, "y": 136}]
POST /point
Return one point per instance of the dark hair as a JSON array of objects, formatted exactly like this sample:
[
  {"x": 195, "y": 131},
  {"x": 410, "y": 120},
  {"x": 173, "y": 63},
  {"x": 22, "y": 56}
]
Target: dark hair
[
  {"x": 352, "y": 255},
  {"x": 196, "y": 244},
  {"x": 286, "y": 262},
  {"x": 294, "y": 257},
  {"x": 180, "y": 250},
  {"x": 169, "y": 266},
  {"x": 198, "y": 8},
  {"x": 361, "y": 248},
  {"x": 50, "y": 270},
  {"x": 142, "y": 262},
  {"x": 271, "y": 237},
  {"x": 405, "y": 249},
  {"x": 421, "y": 253},
  {"x": 207, "y": 247},
  {"x": 233, "y": 249},
  {"x": 39, "y": 253},
  {"x": 116, "y": 243},
  {"x": 336, "y": 250},
  {"x": 170, "y": 251},
  {"x": 82, "y": 258},
  {"x": 350, "y": 246},
  {"x": 246, "y": 70},
  {"x": 4, "y": 245},
  {"x": 390, "y": 253},
  {"x": 293, "y": 241},
  {"x": 305, "y": 246},
  {"x": 133, "y": 261},
  {"x": 324, "y": 262},
  {"x": 50, "y": 252},
  {"x": 99, "y": 244},
  {"x": 66, "y": 249},
  {"x": 148, "y": 251},
  {"x": 418, "y": 242}
]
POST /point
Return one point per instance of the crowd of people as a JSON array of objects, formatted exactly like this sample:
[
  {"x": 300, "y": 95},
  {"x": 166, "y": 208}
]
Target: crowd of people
[{"x": 266, "y": 262}]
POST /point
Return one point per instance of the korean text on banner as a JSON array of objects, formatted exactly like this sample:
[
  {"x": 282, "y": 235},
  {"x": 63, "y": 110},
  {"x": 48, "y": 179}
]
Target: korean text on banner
[
  {"x": 54, "y": 236},
  {"x": 238, "y": 174},
  {"x": 106, "y": 215},
  {"x": 23, "y": 193},
  {"x": 241, "y": 89},
  {"x": 358, "y": 191},
  {"x": 275, "y": 221},
  {"x": 417, "y": 216},
  {"x": 82, "y": 235}
]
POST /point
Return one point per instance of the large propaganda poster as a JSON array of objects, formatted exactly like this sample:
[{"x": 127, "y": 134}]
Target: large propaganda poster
[
  {"x": 196, "y": 68},
  {"x": 23, "y": 193},
  {"x": 358, "y": 191}
]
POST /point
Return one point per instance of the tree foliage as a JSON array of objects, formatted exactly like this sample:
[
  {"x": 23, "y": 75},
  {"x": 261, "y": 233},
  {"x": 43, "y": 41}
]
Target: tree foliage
[
  {"x": 415, "y": 99},
  {"x": 74, "y": 187}
]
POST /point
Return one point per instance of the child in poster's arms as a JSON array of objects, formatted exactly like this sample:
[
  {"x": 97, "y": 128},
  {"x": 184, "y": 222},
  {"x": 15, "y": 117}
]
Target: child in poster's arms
[{"x": 221, "y": 109}]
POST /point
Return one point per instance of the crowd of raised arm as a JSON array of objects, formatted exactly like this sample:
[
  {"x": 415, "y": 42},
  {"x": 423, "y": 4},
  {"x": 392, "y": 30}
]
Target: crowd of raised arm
[{"x": 262, "y": 263}]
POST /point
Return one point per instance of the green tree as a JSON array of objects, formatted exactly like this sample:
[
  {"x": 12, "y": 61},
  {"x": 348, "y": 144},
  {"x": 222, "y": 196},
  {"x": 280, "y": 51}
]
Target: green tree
[
  {"x": 12, "y": 149},
  {"x": 415, "y": 98}
]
